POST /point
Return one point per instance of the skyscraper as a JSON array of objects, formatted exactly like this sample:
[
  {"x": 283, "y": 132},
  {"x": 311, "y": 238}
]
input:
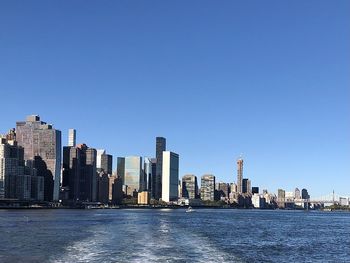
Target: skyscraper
[
  {"x": 72, "y": 136},
  {"x": 132, "y": 175},
  {"x": 107, "y": 163},
  {"x": 121, "y": 167},
  {"x": 305, "y": 195},
  {"x": 79, "y": 172},
  {"x": 117, "y": 191},
  {"x": 18, "y": 180},
  {"x": 170, "y": 179},
  {"x": 11, "y": 159},
  {"x": 281, "y": 197},
  {"x": 233, "y": 188},
  {"x": 223, "y": 190},
  {"x": 146, "y": 184},
  {"x": 240, "y": 175},
  {"x": 104, "y": 161},
  {"x": 103, "y": 187},
  {"x": 40, "y": 139},
  {"x": 160, "y": 148},
  {"x": 208, "y": 187},
  {"x": 99, "y": 153},
  {"x": 255, "y": 190},
  {"x": 297, "y": 193},
  {"x": 152, "y": 182},
  {"x": 246, "y": 186},
  {"x": 189, "y": 186}
]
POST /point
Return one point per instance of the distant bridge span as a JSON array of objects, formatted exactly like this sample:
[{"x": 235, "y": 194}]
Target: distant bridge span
[{"x": 332, "y": 198}]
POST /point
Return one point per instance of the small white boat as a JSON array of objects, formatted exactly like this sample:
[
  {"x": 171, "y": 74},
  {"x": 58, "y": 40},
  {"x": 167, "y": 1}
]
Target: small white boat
[{"x": 189, "y": 210}]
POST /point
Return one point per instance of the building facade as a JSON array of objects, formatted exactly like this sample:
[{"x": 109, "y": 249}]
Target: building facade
[
  {"x": 170, "y": 174},
  {"x": 41, "y": 139},
  {"x": 160, "y": 148},
  {"x": 72, "y": 137},
  {"x": 246, "y": 186},
  {"x": 208, "y": 187},
  {"x": 117, "y": 191},
  {"x": 240, "y": 176},
  {"x": 17, "y": 180},
  {"x": 281, "y": 197},
  {"x": 132, "y": 175},
  {"x": 189, "y": 186},
  {"x": 79, "y": 173}
]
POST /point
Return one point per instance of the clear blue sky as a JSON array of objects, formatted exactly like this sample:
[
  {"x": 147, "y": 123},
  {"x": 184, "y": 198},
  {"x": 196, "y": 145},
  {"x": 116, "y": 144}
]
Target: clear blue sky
[{"x": 269, "y": 79}]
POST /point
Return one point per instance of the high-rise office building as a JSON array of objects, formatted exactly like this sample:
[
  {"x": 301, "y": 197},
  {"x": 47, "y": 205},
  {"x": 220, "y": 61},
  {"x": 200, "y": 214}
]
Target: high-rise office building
[
  {"x": 281, "y": 197},
  {"x": 146, "y": 182},
  {"x": 160, "y": 148},
  {"x": 117, "y": 192},
  {"x": 246, "y": 186},
  {"x": 72, "y": 137},
  {"x": 240, "y": 176},
  {"x": 233, "y": 188},
  {"x": 17, "y": 180},
  {"x": 11, "y": 161},
  {"x": 41, "y": 139},
  {"x": 297, "y": 194},
  {"x": 103, "y": 187},
  {"x": 223, "y": 190},
  {"x": 208, "y": 187},
  {"x": 107, "y": 163},
  {"x": 152, "y": 181},
  {"x": 255, "y": 190},
  {"x": 99, "y": 153},
  {"x": 170, "y": 176},
  {"x": 132, "y": 175},
  {"x": 104, "y": 161},
  {"x": 121, "y": 167},
  {"x": 79, "y": 172},
  {"x": 43, "y": 172},
  {"x": 189, "y": 186},
  {"x": 305, "y": 195}
]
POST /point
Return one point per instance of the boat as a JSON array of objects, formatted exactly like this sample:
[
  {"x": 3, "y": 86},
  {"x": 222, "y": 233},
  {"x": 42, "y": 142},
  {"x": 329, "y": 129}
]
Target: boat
[{"x": 189, "y": 210}]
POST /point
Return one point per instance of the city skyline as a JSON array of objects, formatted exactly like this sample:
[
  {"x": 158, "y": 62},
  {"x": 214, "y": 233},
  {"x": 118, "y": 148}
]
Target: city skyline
[
  {"x": 269, "y": 81},
  {"x": 160, "y": 146}
]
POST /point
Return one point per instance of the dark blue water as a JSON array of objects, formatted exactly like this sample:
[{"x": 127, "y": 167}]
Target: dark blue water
[{"x": 173, "y": 236}]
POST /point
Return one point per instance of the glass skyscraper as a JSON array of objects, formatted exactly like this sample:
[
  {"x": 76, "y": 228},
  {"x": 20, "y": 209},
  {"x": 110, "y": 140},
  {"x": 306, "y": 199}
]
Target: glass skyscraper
[
  {"x": 160, "y": 148},
  {"x": 132, "y": 174}
]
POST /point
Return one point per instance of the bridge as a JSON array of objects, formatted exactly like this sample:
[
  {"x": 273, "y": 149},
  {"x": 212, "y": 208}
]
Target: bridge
[{"x": 331, "y": 198}]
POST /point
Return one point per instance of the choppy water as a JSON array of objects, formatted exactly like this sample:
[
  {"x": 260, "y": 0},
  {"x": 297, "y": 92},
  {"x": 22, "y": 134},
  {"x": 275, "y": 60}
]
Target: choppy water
[{"x": 173, "y": 236}]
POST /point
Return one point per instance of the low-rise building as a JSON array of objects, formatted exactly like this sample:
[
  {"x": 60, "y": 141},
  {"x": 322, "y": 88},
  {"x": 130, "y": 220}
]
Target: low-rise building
[{"x": 143, "y": 198}]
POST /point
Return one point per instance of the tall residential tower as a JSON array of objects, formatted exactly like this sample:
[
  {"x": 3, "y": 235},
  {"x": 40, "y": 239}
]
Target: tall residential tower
[{"x": 240, "y": 175}]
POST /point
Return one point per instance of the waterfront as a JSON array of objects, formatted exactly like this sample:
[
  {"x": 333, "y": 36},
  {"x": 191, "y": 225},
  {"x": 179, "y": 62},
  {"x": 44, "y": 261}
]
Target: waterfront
[{"x": 147, "y": 235}]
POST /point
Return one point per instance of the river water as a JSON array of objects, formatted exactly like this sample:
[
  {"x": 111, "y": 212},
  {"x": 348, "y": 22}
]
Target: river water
[{"x": 146, "y": 235}]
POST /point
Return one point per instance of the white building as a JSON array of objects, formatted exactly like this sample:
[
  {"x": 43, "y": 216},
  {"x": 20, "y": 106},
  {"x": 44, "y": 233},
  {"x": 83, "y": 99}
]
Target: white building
[
  {"x": 170, "y": 176},
  {"x": 72, "y": 136},
  {"x": 343, "y": 201},
  {"x": 100, "y": 152},
  {"x": 258, "y": 201}
]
